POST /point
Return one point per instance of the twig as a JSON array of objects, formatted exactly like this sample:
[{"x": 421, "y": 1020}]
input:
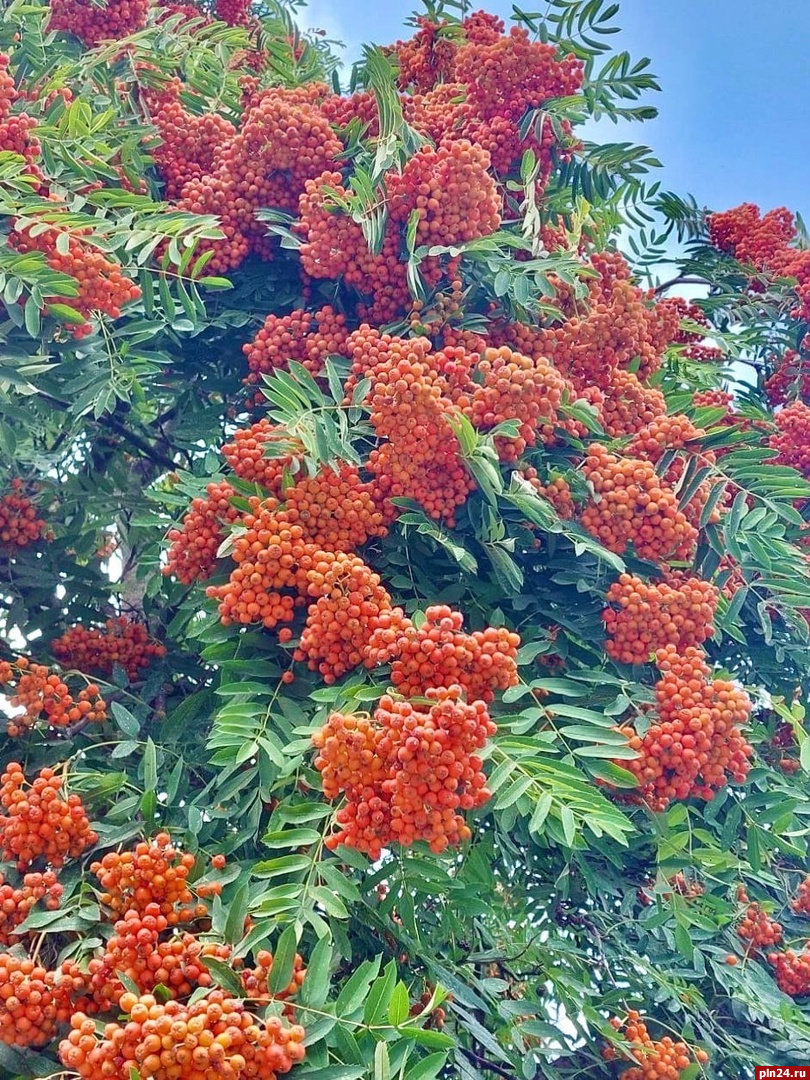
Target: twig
[
  {"x": 678, "y": 281},
  {"x": 476, "y": 1059}
]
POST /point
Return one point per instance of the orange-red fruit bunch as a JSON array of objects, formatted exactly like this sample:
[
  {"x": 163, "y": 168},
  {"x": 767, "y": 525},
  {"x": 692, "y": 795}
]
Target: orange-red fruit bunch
[
  {"x": 515, "y": 387},
  {"x": 139, "y": 952},
  {"x": 32, "y": 1004},
  {"x": 308, "y": 337},
  {"x": 334, "y": 509},
  {"x": 632, "y": 504},
  {"x": 43, "y": 695},
  {"x": 154, "y": 872},
  {"x": 695, "y": 744},
  {"x": 17, "y": 902},
  {"x": 341, "y": 622},
  {"x": 255, "y": 980},
  {"x": 662, "y": 1059},
  {"x": 743, "y": 233},
  {"x": 103, "y": 286},
  {"x": 188, "y": 142},
  {"x": 38, "y": 825},
  {"x": 557, "y": 490},
  {"x": 440, "y": 653},
  {"x": 93, "y": 23},
  {"x": 121, "y": 642},
  {"x": 792, "y": 971},
  {"x": 20, "y": 523},
  {"x": 261, "y": 453},
  {"x": 793, "y": 438},
  {"x": 420, "y": 456},
  {"x": 648, "y": 616},
  {"x": 801, "y": 901},
  {"x": 192, "y": 555},
  {"x": 212, "y": 1038},
  {"x": 408, "y": 774},
  {"x": 758, "y": 928},
  {"x": 628, "y": 406},
  {"x": 452, "y": 192}
]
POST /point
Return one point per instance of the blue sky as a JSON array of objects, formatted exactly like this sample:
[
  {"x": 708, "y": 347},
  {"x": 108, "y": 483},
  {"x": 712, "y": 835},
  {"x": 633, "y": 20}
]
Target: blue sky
[{"x": 734, "y": 123}]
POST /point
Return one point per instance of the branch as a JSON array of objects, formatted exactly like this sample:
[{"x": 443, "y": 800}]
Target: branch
[
  {"x": 476, "y": 1059},
  {"x": 678, "y": 281},
  {"x": 146, "y": 449}
]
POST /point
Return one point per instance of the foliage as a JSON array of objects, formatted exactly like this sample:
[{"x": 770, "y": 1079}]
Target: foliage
[{"x": 472, "y": 461}]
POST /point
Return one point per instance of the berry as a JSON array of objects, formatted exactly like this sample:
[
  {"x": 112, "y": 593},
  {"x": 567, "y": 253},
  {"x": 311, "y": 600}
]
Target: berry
[{"x": 38, "y": 825}]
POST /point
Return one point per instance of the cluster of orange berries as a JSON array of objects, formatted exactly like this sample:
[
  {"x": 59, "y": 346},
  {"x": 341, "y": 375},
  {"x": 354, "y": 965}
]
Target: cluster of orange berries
[
  {"x": 793, "y": 437},
  {"x": 37, "y": 823},
  {"x": 340, "y": 623},
  {"x": 91, "y": 23},
  {"x": 122, "y": 642},
  {"x": 407, "y": 773},
  {"x": 663, "y": 1059},
  {"x": 515, "y": 387},
  {"x": 103, "y": 286},
  {"x": 192, "y": 555},
  {"x": 283, "y": 140},
  {"x": 44, "y": 695},
  {"x": 758, "y": 928},
  {"x": 214, "y": 1037},
  {"x": 153, "y": 872},
  {"x": 20, "y": 523},
  {"x": 764, "y": 241},
  {"x": 308, "y": 337},
  {"x": 440, "y": 653},
  {"x": 136, "y": 952},
  {"x": 791, "y": 970},
  {"x": 264, "y": 454},
  {"x": 695, "y": 743},
  {"x": 627, "y": 406},
  {"x": 635, "y": 506},
  {"x": 649, "y": 616},
  {"x": 33, "y": 1003},
  {"x": 17, "y": 902},
  {"x": 188, "y": 142},
  {"x": 557, "y": 490}
]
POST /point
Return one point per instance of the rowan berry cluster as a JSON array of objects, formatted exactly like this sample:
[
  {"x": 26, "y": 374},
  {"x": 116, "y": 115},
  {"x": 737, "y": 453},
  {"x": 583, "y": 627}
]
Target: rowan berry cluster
[
  {"x": 407, "y": 773},
  {"x": 153, "y": 872},
  {"x": 16, "y": 902},
  {"x": 628, "y": 406},
  {"x": 189, "y": 143},
  {"x": 634, "y": 506},
  {"x": 141, "y": 951},
  {"x": 103, "y": 286},
  {"x": 283, "y": 140},
  {"x": 121, "y": 642},
  {"x": 306, "y": 336},
  {"x": 92, "y": 23},
  {"x": 192, "y": 555},
  {"x": 648, "y": 616},
  {"x": 663, "y": 1059},
  {"x": 440, "y": 653},
  {"x": 215, "y": 1036},
  {"x": 758, "y": 928},
  {"x": 340, "y": 624},
  {"x": 557, "y": 490},
  {"x": 793, "y": 437},
  {"x": 263, "y": 454},
  {"x": 800, "y": 903},
  {"x": 38, "y": 825},
  {"x": 515, "y": 387},
  {"x": 255, "y": 980},
  {"x": 429, "y": 57},
  {"x": 31, "y": 1004},
  {"x": 44, "y": 696},
  {"x": 410, "y": 403},
  {"x": 764, "y": 242},
  {"x": 20, "y": 524},
  {"x": 233, "y": 12},
  {"x": 694, "y": 744},
  {"x": 792, "y": 971}
]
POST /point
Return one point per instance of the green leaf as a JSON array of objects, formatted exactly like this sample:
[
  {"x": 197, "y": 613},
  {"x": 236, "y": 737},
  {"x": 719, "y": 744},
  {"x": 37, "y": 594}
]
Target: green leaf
[{"x": 283, "y": 961}]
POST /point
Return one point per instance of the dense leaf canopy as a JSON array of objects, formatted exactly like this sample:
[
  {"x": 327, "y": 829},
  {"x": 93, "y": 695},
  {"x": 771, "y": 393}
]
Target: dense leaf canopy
[{"x": 404, "y": 589}]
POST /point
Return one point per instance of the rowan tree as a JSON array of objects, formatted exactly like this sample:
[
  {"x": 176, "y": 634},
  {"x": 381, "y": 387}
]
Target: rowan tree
[{"x": 404, "y": 588}]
